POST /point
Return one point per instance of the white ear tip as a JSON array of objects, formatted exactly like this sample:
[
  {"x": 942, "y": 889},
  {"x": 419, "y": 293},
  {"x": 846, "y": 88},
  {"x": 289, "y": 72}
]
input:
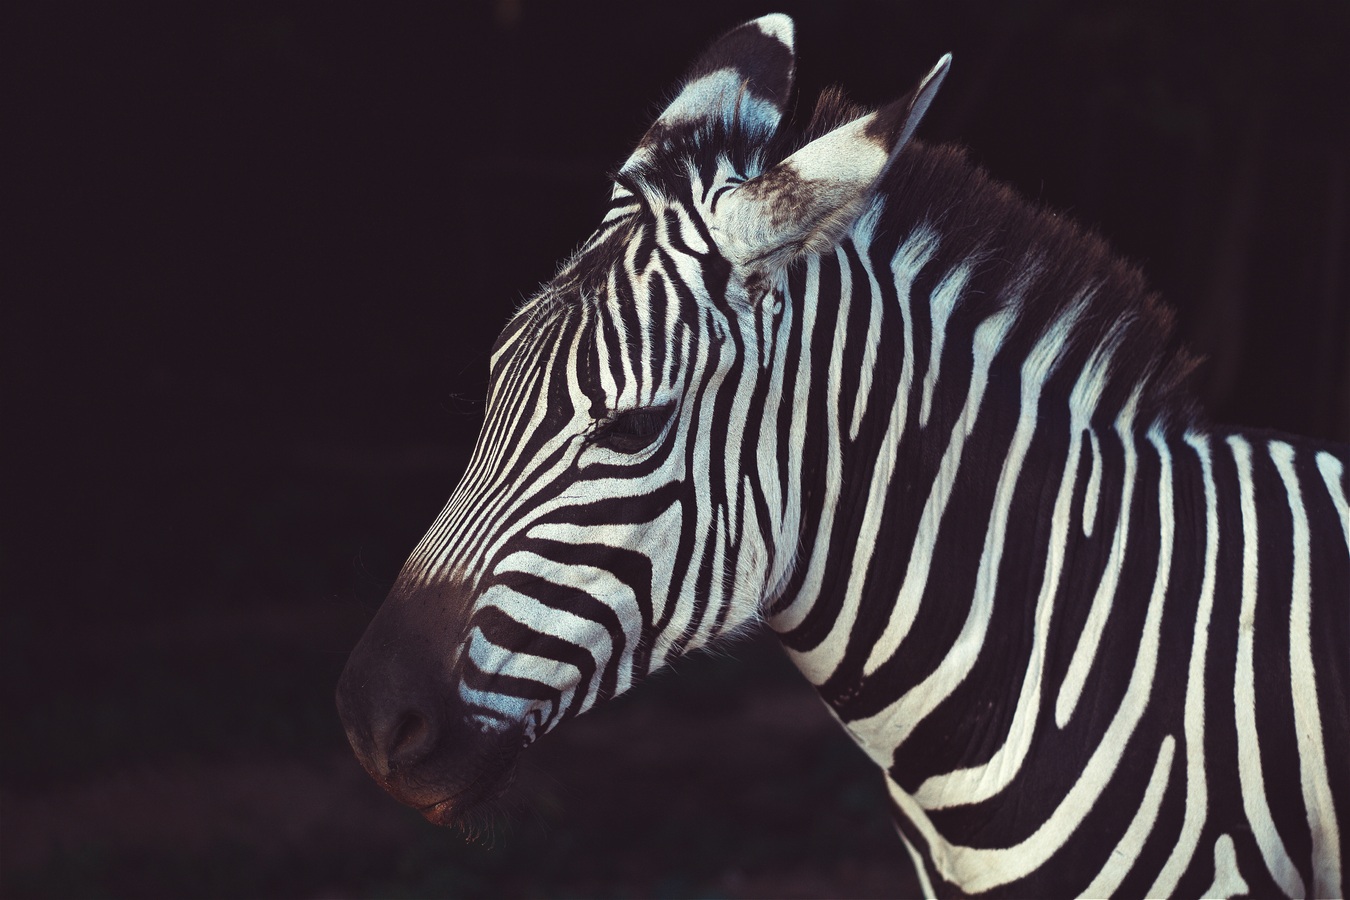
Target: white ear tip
[
  {"x": 777, "y": 26},
  {"x": 938, "y": 72}
]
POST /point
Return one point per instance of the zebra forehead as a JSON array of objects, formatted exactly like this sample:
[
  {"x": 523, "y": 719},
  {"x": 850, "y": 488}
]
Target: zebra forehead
[
  {"x": 565, "y": 329},
  {"x": 587, "y": 273}
]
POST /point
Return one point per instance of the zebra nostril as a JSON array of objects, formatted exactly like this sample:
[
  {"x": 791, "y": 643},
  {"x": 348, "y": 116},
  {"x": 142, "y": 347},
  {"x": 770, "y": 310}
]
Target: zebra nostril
[{"x": 409, "y": 738}]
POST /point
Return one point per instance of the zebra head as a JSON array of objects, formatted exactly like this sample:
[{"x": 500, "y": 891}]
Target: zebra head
[{"x": 623, "y": 503}]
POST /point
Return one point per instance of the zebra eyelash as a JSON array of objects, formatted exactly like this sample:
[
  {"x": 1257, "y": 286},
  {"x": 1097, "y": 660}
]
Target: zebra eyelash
[{"x": 632, "y": 430}]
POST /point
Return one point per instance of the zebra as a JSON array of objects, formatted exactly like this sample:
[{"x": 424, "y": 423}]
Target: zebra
[{"x": 844, "y": 384}]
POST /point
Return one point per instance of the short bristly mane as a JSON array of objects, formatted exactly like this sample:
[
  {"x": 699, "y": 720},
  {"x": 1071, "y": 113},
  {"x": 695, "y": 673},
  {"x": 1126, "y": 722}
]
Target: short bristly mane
[{"x": 979, "y": 218}]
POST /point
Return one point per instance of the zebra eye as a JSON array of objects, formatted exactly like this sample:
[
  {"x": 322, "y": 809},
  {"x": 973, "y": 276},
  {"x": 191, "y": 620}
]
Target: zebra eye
[{"x": 632, "y": 430}]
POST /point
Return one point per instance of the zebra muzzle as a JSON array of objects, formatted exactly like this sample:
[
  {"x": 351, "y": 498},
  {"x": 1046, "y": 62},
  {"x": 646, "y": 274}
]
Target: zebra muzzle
[
  {"x": 439, "y": 763},
  {"x": 399, "y": 702}
]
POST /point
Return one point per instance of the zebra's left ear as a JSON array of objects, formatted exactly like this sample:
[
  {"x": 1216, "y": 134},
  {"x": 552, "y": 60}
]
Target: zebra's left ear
[
  {"x": 744, "y": 78},
  {"x": 810, "y": 200}
]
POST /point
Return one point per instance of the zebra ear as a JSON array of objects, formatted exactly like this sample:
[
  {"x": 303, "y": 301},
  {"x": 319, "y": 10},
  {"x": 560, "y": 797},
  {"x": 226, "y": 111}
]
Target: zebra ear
[
  {"x": 810, "y": 200},
  {"x": 745, "y": 78}
]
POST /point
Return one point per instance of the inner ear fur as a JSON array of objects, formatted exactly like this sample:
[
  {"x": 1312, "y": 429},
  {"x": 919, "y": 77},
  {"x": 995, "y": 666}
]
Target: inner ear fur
[
  {"x": 810, "y": 200},
  {"x": 744, "y": 79}
]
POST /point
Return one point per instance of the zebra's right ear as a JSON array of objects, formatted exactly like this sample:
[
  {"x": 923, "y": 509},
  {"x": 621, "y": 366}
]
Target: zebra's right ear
[
  {"x": 744, "y": 79},
  {"x": 809, "y": 201}
]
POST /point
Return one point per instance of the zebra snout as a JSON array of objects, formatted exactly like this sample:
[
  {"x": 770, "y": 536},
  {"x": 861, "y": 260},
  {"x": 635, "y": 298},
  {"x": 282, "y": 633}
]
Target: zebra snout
[
  {"x": 399, "y": 702},
  {"x": 392, "y": 739},
  {"x": 431, "y": 756}
]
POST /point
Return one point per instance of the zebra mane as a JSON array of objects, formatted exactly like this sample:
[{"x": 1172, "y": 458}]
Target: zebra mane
[
  {"x": 1058, "y": 263},
  {"x": 979, "y": 218}
]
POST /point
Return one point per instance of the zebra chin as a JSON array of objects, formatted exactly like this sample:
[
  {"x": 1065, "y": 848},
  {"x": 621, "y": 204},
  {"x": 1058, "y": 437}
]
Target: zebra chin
[{"x": 457, "y": 802}]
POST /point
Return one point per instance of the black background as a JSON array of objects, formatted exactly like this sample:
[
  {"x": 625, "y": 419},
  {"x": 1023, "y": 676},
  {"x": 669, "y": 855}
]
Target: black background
[{"x": 263, "y": 248}]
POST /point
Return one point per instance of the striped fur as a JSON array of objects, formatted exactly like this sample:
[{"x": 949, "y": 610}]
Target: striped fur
[{"x": 938, "y": 439}]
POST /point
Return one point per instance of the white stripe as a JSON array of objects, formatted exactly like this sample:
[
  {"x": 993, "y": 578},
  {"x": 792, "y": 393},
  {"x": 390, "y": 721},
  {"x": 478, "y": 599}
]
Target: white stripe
[
  {"x": 1094, "y": 485},
  {"x": 1085, "y": 651},
  {"x": 1250, "y": 777},
  {"x": 608, "y": 358},
  {"x": 662, "y": 543},
  {"x": 1332, "y": 472},
  {"x": 920, "y": 869},
  {"x": 795, "y": 612},
  {"x": 706, "y": 516},
  {"x": 1126, "y": 852},
  {"x": 642, "y": 309},
  {"x": 783, "y": 500},
  {"x": 684, "y": 218},
  {"x": 718, "y": 586},
  {"x": 598, "y": 583},
  {"x": 507, "y": 710},
  {"x": 990, "y": 333},
  {"x": 752, "y": 571},
  {"x": 862, "y": 239},
  {"x": 1228, "y": 881},
  {"x": 1317, "y": 799},
  {"x": 1197, "y": 793},
  {"x": 944, "y": 300},
  {"x": 821, "y": 661},
  {"x": 1083, "y": 403}
]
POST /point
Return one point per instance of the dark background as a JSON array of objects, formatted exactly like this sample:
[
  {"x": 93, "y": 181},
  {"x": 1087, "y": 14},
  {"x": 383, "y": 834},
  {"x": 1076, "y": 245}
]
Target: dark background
[{"x": 262, "y": 251}]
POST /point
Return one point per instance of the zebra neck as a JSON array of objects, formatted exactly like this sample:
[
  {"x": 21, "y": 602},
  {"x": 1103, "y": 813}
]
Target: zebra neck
[
  {"x": 1011, "y": 534},
  {"x": 910, "y": 394},
  {"x": 948, "y": 445}
]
